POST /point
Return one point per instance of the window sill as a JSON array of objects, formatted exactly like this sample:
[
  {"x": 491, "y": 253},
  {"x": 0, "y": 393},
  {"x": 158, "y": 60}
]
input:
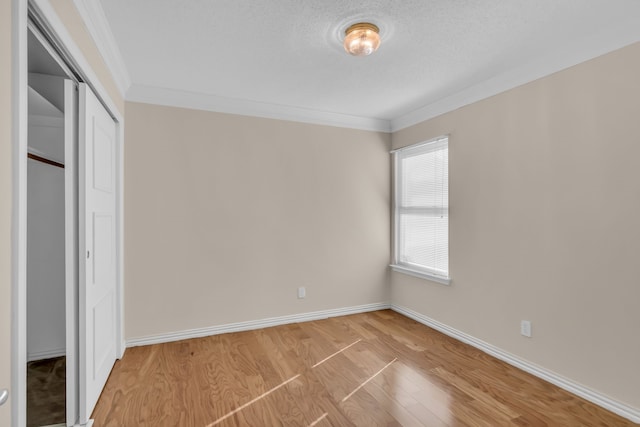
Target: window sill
[{"x": 421, "y": 274}]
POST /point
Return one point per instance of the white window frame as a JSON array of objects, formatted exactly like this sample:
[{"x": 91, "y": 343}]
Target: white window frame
[{"x": 405, "y": 267}]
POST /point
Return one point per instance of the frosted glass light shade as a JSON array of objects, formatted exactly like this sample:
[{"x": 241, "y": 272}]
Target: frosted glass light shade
[{"x": 362, "y": 39}]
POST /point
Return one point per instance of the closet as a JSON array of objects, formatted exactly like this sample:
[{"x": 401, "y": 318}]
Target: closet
[
  {"x": 72, "y": 233},
  {"x": 46, "y": 278}
]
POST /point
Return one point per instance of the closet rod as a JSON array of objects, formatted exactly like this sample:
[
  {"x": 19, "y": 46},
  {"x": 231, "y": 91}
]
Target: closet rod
[{"x": 45, "y": 160}]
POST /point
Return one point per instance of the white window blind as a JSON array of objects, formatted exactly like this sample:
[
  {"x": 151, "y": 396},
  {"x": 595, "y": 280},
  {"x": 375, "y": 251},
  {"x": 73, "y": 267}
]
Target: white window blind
[{"x": 422, "y": 208}]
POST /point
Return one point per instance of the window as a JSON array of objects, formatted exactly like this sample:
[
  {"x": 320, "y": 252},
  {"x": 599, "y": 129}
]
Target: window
[{"x": 422, "y": 210}]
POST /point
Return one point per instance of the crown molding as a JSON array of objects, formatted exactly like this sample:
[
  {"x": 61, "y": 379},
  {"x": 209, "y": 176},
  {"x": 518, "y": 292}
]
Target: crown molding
[
  {"x": 219, "y": 104},
  {"x": 563, "y": 57},
  {"x": 96, "y": 22}
]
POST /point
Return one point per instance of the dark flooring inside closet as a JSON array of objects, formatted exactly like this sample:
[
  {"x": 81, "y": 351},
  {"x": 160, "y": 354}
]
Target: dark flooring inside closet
[{"x": 46, "y": 392}]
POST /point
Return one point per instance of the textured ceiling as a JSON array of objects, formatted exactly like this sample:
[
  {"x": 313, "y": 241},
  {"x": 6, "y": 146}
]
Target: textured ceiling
[{"x": 289, "y": 53}]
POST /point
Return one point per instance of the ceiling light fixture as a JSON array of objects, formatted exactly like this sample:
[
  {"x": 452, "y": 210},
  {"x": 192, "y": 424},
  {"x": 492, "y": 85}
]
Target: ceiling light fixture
[{"x": 362, "y": 39}]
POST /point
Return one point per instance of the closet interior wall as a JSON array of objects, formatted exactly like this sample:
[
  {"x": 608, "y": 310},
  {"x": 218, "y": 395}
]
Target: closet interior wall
[{"x": 45, "y": 226}]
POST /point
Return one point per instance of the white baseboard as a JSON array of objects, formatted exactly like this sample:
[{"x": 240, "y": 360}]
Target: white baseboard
[
  {"x": 47, "y": 354},
  {"x": 255, "y": 324},
  {"x": 622, "y": 409}
]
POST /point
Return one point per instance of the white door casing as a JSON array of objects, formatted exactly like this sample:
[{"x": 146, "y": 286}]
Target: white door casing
[
  {"x": 97, "y": 248},
  {"x": 71, "y": 246}
]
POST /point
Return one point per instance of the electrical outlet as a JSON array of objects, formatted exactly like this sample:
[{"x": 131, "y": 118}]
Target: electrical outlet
[
  {"x": 302, "y": 292},
  {"x": 525, "y": 328}
]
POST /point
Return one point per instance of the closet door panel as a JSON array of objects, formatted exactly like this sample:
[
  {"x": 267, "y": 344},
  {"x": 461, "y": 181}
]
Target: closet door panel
[{"x": 97, "y": 229}]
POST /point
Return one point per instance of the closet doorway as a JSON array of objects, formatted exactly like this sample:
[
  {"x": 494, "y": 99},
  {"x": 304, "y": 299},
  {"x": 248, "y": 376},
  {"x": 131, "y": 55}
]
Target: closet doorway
[
  {"x": 51, "y": 215},
  {"x": 68, "y": 272}
]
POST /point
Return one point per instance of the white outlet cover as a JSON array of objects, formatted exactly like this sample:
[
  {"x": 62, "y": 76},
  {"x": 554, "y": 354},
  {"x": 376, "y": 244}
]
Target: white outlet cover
[
  {"x": 302, "y": 292},
  {"x": 525, "y": 328}
]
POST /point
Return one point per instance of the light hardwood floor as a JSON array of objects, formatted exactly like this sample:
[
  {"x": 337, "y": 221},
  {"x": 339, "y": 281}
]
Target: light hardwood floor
[{"x": 372, "y": 369}]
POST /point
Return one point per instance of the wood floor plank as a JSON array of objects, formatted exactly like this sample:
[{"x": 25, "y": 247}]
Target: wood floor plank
[
  {"x": 499, "y": 409},
  {"x": 397, "y": 409},
  {"x": 370, "y": 369},
  {"x": 338, "y": 381},
  {"x": 363, "y": 410}
]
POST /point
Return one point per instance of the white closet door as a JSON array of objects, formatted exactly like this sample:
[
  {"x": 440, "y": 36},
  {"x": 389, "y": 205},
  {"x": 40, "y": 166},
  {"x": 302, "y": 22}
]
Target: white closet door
[{"x": 97, "y": 235}]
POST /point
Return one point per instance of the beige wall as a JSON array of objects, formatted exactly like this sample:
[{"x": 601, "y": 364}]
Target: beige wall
[
  {"x": 68, "y": 14},
  {"x": 227, "y": 215},
  {"x": 5, "y": 205},
  {"x": 545, "y": 223}
]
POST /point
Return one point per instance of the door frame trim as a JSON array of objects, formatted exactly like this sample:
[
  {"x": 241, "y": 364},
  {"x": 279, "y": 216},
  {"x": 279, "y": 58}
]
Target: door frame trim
[
  {"x": 71, "y": 249},
  {"x": 19, "y": 77},
  {"x": 56, "y": 29}
]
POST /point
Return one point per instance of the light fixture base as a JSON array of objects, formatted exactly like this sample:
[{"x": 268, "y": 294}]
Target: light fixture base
[{"x": 362, "y": 26}]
